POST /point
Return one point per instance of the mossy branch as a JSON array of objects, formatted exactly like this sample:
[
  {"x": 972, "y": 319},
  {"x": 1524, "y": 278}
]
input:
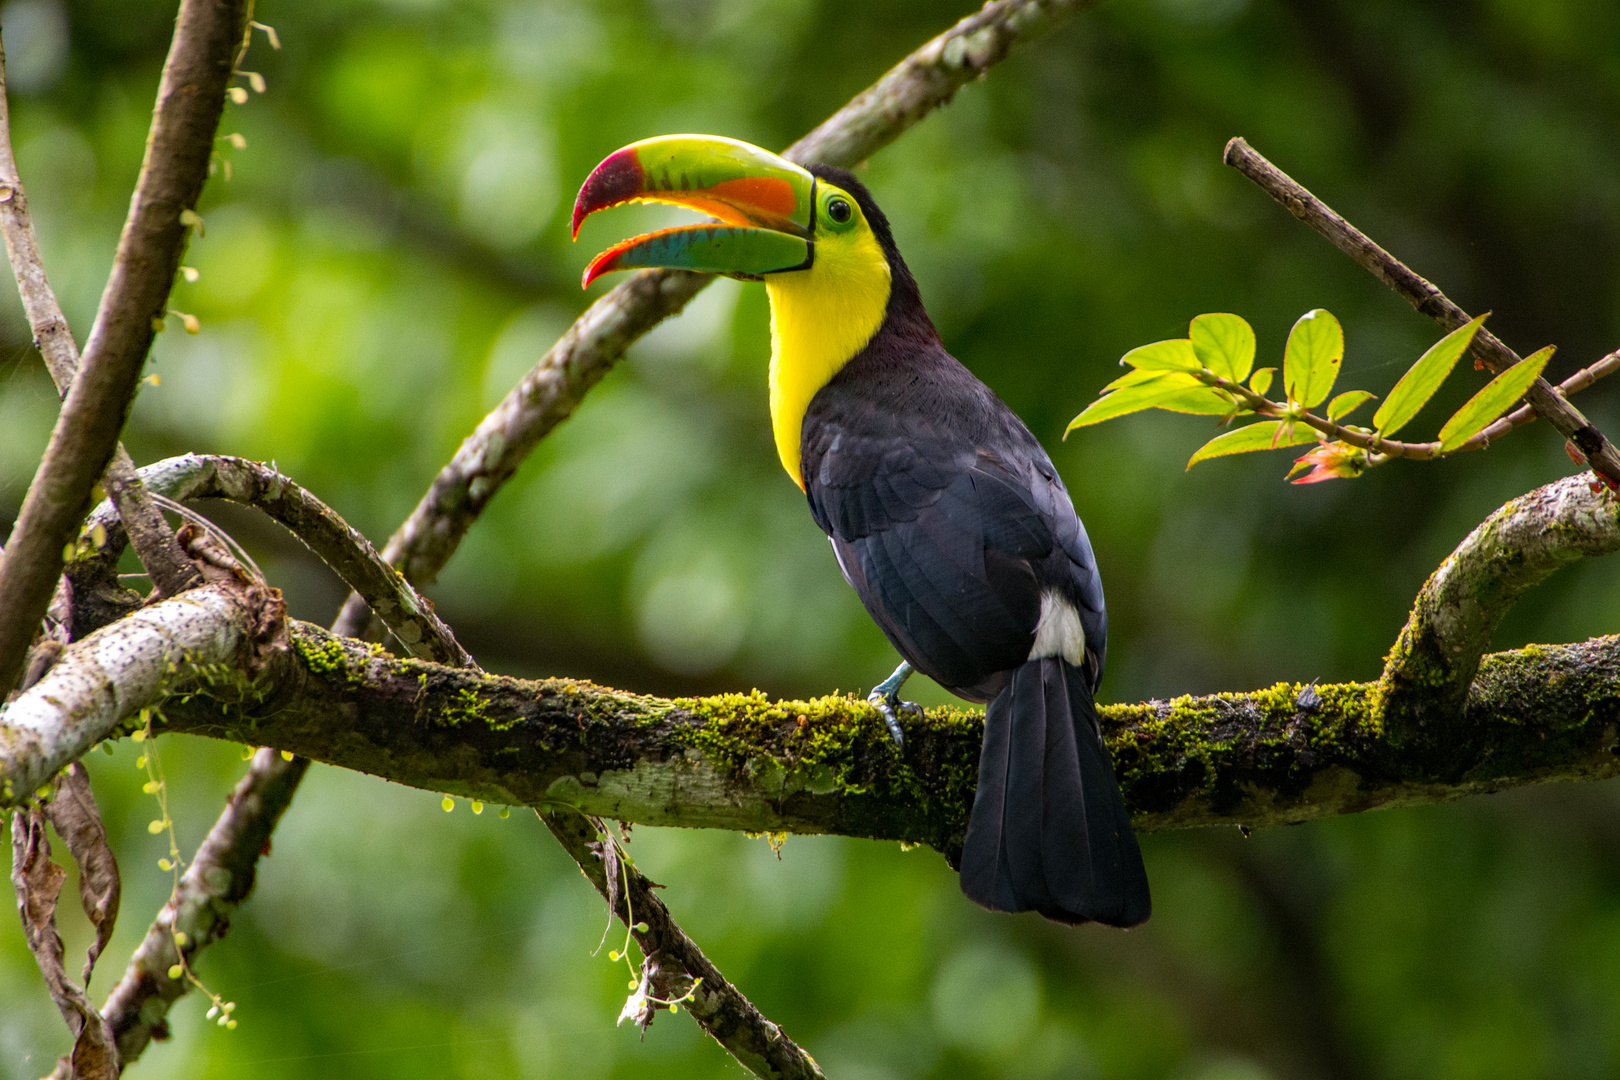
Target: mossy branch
[
  {"x": 1429, "y": 671},
  {"x": 1284, "y": 754},
  {"x": 746, "y": 762}
]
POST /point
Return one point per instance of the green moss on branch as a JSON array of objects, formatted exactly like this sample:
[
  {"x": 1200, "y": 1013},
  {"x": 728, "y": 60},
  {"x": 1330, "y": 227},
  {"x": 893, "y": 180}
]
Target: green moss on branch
[{"x": 749, "y": 762}]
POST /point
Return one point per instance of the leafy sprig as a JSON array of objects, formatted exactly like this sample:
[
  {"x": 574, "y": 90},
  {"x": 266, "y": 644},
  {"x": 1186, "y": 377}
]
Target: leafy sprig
[{"x": 1211, "y": 372}]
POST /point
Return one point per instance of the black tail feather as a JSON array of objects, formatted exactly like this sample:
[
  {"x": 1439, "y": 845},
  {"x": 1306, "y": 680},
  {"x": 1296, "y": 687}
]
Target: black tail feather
[{"x": 1049, "y": 831}]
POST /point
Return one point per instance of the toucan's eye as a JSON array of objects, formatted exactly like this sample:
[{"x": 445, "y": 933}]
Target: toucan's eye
[{"x": 840, "y": 211}]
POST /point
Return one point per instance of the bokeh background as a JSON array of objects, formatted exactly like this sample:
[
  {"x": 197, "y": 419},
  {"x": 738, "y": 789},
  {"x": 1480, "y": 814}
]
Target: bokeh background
[{"x": 390, "y": 254}]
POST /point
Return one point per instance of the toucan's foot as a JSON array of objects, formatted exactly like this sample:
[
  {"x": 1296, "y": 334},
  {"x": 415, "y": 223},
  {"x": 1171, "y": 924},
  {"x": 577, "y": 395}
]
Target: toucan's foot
[{"x": 885, "y": 698}]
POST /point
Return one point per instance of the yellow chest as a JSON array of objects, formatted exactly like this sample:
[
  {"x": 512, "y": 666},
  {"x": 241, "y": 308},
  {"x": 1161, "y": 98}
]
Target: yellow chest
[{"x": 820, "y": 318}]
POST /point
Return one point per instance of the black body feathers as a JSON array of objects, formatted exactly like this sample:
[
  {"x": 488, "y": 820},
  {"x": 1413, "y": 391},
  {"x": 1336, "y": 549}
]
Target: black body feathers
[{"x": 950, "y": 522}]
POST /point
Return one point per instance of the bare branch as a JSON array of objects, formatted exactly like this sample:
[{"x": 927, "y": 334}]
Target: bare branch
[
  {"x": 171, "y": 571},
  {"x": 929, "y": 78},
  {"x": 549, "y": 393},
  {"x": 1426, "y": 298},
  {"x": 674, "y": 963},
  {"x": 52, "y": 336},
  {"x": 191, "y": 97},
  {"x": 544, "y": 398}
]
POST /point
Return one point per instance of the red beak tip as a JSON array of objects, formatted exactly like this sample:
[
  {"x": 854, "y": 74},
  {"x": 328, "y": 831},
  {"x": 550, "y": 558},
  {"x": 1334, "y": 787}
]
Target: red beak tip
[
  {"x": 618, "y": 179},
  {"x": 600, "y": 265}
]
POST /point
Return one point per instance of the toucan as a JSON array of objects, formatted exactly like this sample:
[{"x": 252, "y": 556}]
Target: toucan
[{"x": 945, "y": 514}]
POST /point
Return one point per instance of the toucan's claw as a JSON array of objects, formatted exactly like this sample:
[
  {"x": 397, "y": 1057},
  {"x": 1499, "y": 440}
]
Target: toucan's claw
[
  {"x": 891, "y": 706},
  {"x": 885, "y": 698}
]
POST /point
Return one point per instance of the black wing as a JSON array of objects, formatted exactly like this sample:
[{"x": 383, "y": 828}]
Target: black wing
[{"x": 947, "y": 518}]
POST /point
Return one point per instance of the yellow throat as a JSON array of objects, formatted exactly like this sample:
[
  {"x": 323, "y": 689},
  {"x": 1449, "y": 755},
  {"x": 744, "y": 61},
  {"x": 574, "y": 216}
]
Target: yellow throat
[{"x": 820, "y": 319}]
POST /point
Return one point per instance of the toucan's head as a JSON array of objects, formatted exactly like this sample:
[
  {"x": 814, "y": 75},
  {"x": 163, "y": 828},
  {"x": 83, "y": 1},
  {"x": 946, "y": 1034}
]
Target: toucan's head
[
  {"x": 814, "y": 236},
  {"x": 778, "y": 218}
]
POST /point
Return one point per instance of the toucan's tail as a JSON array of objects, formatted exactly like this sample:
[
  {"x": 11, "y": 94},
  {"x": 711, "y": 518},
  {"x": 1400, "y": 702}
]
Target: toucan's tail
[{"x": 1049, "y": 832}]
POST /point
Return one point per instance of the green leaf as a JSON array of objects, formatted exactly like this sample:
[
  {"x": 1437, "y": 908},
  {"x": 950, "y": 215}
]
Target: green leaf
[
  {"x": 1497, "y": 397},
  {"x": 1347, "y": 403},
  {"x": 1224, "y": 344},
  {"x": 1202, "y": 401},
  {"x": 1127, "y": 400},
  {"x": 1261, "y": 436},
  {"x": 1418, "y": 385},
  {"x": 1136, "y": 376},
  {"x": 1260, "y": 381},
  {"x": 1311, "y": 360},
  {"x": 1174, "y": 355}
]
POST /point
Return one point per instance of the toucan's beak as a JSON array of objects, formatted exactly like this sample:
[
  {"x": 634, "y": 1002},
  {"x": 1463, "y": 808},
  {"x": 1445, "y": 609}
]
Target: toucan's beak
[{"x": 766, "y": 202}]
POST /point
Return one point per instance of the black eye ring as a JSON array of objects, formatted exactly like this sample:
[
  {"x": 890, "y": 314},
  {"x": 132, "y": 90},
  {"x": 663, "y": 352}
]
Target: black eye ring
[{"x": 840, "y": 210}]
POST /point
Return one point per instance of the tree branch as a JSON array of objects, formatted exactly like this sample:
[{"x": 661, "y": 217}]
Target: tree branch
[
  {"x": 1428, "y": 672},
  {"x": 407, "y": 614},
  {"x": 191, "y": 97},
  {"x": 1275, "y": 756},
  {"x": 927, "y": 79},
  {"x": 171, "y": 571},
  {"x": 1261, "y": 405},
  {"x": 222, "y": 872},
  {"x": 1287, "y": 753},
  {"x": 549, "y": 393},
  {"x": 674, "y": 965},
  {"x": 1426, "y": 298},
  {"x": 101, "y": 682},
  {"x": 220, "y": 877}
]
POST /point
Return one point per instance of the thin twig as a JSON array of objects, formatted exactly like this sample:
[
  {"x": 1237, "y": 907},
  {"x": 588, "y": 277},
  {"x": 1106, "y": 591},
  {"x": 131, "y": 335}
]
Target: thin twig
[
  {"x": 1526, "y": 413},
  {"x": 719, "y": 1007},
  {"x": 548, "y": 394},
  {"x": 191, "y": 97},
  {"x": 1374, "y": 443},
  {"x": 1426, "y": 298}
]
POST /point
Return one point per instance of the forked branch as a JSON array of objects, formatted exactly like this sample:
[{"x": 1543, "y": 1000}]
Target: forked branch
[
  {"x": 1426, "y": 298},
  {"x": 191, "y": 97}
]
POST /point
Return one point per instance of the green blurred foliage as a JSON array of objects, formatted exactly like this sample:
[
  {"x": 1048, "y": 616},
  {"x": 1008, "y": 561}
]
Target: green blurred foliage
[{"x": 391, "y": 254}]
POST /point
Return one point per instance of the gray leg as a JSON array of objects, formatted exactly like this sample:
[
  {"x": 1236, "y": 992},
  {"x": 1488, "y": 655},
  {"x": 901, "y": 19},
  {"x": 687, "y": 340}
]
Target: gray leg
[{"x": 885, "y": 697}]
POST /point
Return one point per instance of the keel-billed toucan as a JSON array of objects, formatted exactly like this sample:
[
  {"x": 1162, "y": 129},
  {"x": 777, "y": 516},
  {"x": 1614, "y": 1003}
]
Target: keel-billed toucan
[{"x": 946, "y": 515}]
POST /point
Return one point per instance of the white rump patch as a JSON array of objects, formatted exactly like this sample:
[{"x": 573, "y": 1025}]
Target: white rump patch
[{"x": 1059, "y": 632}]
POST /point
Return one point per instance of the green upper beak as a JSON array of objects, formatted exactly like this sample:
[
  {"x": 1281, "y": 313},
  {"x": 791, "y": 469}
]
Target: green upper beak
[{"x": 767, "y": 205}]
